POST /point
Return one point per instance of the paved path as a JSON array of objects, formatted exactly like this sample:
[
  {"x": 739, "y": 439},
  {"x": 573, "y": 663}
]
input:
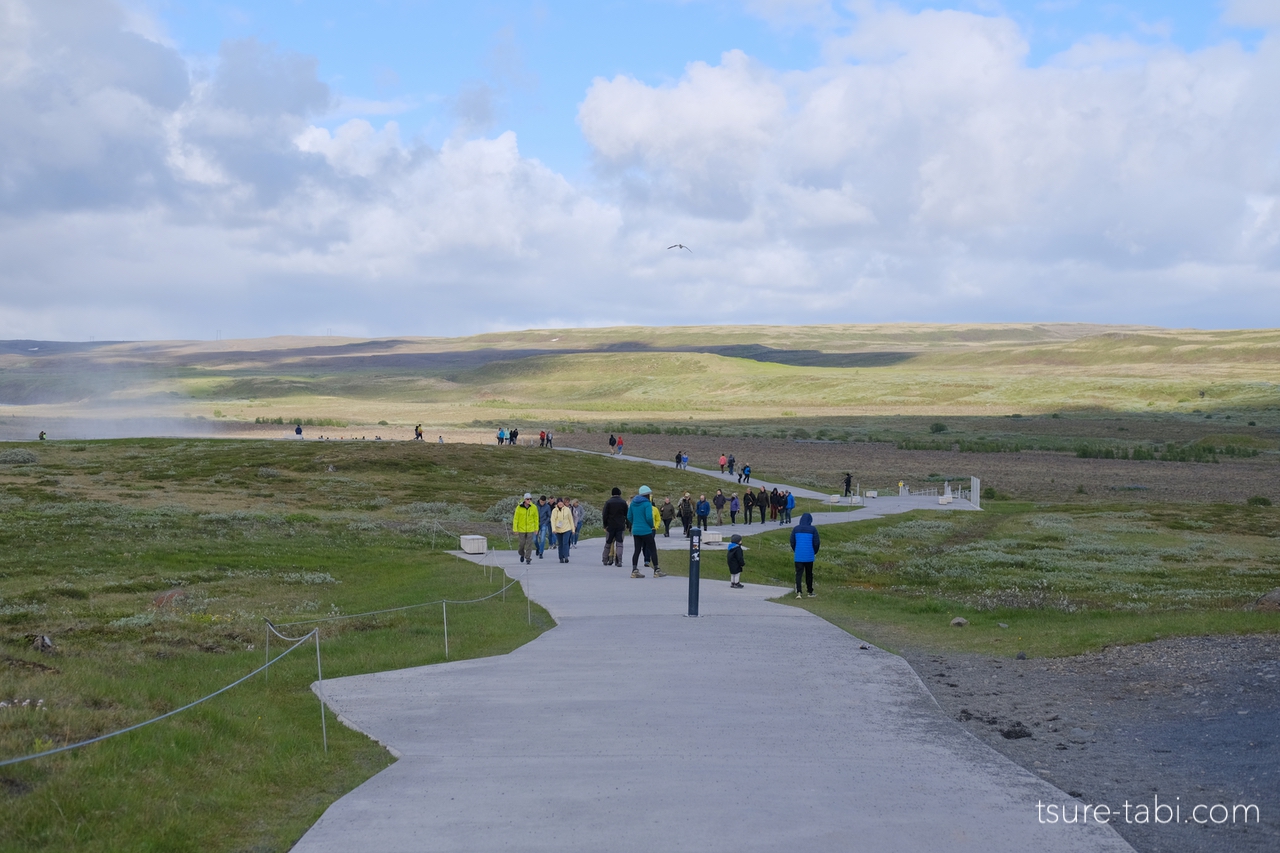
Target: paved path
[{"x": 629, "y": 727}]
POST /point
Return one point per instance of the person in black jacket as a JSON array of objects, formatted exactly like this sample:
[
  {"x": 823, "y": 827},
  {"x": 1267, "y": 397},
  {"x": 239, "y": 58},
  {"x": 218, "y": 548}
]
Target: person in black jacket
[
  {"x": 748, "y": 504},
  {"x": 614, "y": 520},
  {"x": 737, "y": 560}
]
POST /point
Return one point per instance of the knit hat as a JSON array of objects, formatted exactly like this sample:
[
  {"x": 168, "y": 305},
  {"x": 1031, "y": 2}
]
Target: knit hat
[
  {"x": 616, "y": 492},
  {"x": 735, "y": 539},
  {"x": 528, "y": 496},
  {"x": 645, "y": 490}
]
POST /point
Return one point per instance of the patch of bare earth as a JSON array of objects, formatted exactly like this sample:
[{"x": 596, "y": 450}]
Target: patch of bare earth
[{"x": 1028, "y": 475}]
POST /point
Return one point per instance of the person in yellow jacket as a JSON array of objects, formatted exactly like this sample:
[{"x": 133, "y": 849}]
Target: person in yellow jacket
[
  {"x": 562, "y": 527},
  {"x": 525, "y": 526}
]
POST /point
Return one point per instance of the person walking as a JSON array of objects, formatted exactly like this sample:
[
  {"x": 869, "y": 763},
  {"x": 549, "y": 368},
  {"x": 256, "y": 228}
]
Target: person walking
[
  {"x": 640, "y": 519},
  {"x": 684, "y": 460},
  {"x": 685, "y": 511},
  {"x": 417, "y": 433},
  {"x": 805, "y": 543},
  {"x": 614, "y": 518},
  {"x": 788, "y": 503},
  {"x": 848, "y": 484},
  {"x": 667, "y": 512},
  {"x": 723, "y": 462},
  {"x": 562, "y": 528},
  {"x": 679, "y": 456},
  {"x": 718, "y": 502},
  {"x": 550, "y": 441},
  {"x": 737, "y": 561},
  {"x": 773, "y": 503},
  {"x": 748, "y": 504},
  {"x": 542, "y": 438},
  {"x": 613, "y": 443},
  {"x": 502, "y": 436},
  {"x": 525, "y": 526},
  {"x": 579, "y": 513},
  {"x": 619, "y": 445},
  {"x": 513, "y": 435},
  {"x": 746, "y": 474},
  {"x": 732, "y": 462},
  {"x": 733, "y": 509},
  {"x": 544, "y": 524},
  {"x": 703, "y": 509}
]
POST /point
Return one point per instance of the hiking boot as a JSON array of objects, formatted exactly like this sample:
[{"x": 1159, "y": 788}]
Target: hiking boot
[
  {"x": 659, "y": 573},
  {"x": 635, "y": 573},
  {"x": 813, "y": 595}
]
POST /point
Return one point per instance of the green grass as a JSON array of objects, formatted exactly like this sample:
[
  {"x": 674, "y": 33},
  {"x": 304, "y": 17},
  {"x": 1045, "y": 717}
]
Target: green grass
[
  {"x": 1064, "y": 579},
  {"x": 92, "y": 532}
]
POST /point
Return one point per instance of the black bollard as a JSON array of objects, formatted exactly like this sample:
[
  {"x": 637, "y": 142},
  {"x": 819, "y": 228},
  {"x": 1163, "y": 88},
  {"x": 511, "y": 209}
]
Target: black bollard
[{"x": 695, "y": 566}]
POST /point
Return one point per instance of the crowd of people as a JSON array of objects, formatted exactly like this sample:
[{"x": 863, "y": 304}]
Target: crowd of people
[{"x": 558, "y": 522}]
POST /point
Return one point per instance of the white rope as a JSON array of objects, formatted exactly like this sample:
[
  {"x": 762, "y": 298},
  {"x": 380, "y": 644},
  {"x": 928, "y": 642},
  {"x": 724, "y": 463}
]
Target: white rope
[
  {"x": 162, "y": 716},
  {"x": 512, "y": 583}
]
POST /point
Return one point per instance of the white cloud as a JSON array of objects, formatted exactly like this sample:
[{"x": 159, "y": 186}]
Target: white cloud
[
  {"x": 922, "y": 171},
  {"x": 1252, "y": 13}
]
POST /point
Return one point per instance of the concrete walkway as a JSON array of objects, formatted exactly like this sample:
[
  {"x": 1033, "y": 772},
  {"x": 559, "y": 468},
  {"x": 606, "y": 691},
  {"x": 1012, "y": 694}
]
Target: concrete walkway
[{"x": 630, "y": 727}]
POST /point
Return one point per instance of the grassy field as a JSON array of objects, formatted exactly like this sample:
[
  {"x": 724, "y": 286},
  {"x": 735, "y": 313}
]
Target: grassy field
[
  {"x": 705, "y": 374},
  {"x": 1063, "y": 579},
  {"x": 151, "y": 565}
]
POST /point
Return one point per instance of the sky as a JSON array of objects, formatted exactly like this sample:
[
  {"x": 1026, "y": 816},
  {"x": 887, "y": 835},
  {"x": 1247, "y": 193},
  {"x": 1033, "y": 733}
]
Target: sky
[{"x": 200, "y": 169}]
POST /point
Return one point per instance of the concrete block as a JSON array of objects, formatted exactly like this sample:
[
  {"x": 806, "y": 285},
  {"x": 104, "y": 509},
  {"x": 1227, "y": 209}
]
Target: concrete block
[
  {"x": 712, "y": 537},
  {"x": 474, "y": 544}
]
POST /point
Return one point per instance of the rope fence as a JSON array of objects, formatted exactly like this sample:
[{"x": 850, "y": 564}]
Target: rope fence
[{"x": 313, "y": 635}]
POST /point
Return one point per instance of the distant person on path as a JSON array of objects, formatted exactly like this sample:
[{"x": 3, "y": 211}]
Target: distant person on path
[
  {"x": 614, "y": 519},
  {"x": 848, "y": 484},
  {"x": 667, "y": 512},
  {"x": 502, "y": 436},
  {"x": 525, "y": 526},
  {"x": 439, "y": 439},
  {"x": 773, "y": 503},
  {"x": 549, "y": 441},
  {"x": 619, "y": 445},
  {"x": 613, "y": 444},
  {"x": 511, "y": 436},
  {"x": 562, "y": 528},
  {"x": 640, "y": 518},
  {"x": 719, "y": 501},
  {"x": 734, "y": 506},
  {"x": 579, "y": 513},
  {"x": 732, "y": 462},
  {"x": 737, "y": 560},
  {"x": 685, "y": 511},
  {"x": 749, "y": 504},
  {"x": 43, "y": 436},
  {"x": 417, "y": 433},
  {"x": 746, "y": 474},
  {"x": 542, "y": 438},
  {"x": 679, "y": 456},
  {"x": 298, "y": 430},
  {"x": 789, "y": 503},
  {"x": 684, "y": 461},
  {"x": 703, "y": 509},
  {"x": 804, "y": 546},
  {"x": 544, "y": 524},
  {"x": 723, "y": 462}
]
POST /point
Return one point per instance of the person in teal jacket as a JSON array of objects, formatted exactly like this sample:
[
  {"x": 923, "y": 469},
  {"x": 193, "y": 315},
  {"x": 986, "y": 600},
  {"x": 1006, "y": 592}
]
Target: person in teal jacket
[{"x": 640, "y": 517}]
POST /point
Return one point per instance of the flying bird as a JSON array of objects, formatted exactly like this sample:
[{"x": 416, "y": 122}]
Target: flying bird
[{"x": 681, "y": 246}]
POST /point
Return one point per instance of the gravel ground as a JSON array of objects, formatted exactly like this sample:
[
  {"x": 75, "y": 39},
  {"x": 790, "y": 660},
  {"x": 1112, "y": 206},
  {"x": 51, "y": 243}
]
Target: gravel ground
[
  {"x": 1030, "y": 475},
  {"x": 1189, "y": 720}
]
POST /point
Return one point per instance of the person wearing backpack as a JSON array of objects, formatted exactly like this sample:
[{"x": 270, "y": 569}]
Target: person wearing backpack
[
  {"x": 614, "y": 520},
  {"x": 640, "y": 516}
]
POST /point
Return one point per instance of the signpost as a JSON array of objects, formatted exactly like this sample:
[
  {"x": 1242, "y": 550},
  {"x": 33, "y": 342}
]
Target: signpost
[{"x": 695, "y": 567}]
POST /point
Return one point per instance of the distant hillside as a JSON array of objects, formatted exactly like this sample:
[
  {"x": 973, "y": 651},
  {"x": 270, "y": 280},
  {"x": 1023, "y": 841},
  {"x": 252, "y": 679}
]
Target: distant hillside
[{"x": 678, "y": 372}]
